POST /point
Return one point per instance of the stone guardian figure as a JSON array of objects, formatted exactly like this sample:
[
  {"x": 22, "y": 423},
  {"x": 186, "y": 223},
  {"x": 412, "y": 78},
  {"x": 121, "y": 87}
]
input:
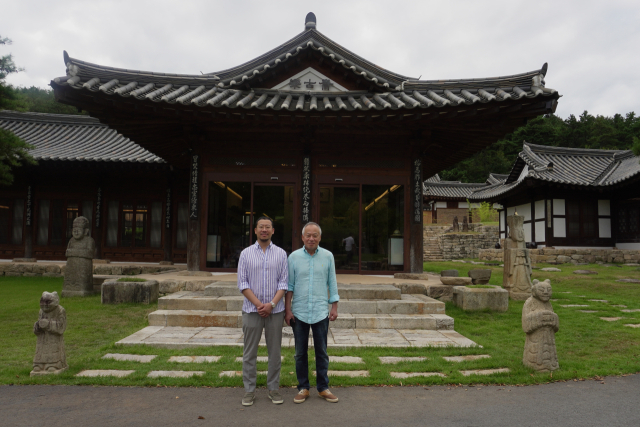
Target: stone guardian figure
[
  {"x": 456, "y": 226},
  {"x": 517, "y": 261},
  {"x": 465, "y": 224},
  {"x": 78, "y": 276},
  {"x": 540, "y": 324},
  {"x": 50, "y": 356}
]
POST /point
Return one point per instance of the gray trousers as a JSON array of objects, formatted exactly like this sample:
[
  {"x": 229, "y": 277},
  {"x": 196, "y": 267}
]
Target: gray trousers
[{"x": 252, "y": 326}]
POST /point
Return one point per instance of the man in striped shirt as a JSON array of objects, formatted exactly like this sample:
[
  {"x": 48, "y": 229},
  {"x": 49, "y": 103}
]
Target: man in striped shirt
[{"x": 263, "y": 280}]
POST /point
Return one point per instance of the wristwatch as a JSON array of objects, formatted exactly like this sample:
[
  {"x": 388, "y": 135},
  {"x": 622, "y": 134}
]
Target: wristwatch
[{"x": 273, "y": 304}]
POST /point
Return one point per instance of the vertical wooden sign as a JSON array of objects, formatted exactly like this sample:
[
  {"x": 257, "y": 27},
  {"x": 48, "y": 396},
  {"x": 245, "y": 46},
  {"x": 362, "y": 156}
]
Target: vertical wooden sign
[
  {"x": 167, "y": 217},
  {"x": 193, "y": 197},
  {"x": 416, "y": 194},
  {"x": 29, "y": 205},
  {"x": 98, "y": 206},
  {"x": 306, "y": 190}
]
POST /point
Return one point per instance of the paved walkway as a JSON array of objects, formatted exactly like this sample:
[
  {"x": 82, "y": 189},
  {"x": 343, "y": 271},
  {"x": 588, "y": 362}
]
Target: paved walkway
[
  {"x": 183, "y": 337},
  {"x": 611, "y": 402}
]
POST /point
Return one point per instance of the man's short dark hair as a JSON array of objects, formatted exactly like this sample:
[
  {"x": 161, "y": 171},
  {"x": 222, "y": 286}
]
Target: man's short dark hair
[{"x": 265, "y": 218}]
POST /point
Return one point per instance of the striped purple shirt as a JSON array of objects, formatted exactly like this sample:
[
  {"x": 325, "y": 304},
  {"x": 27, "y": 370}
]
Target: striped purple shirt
[{"x": 265, "y": 273}]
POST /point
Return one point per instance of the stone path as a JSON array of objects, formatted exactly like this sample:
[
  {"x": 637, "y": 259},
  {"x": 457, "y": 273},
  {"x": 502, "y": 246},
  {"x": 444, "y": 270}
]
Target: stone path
[
  {"x": 184, "y": 337},
  {"x": 332, "y": 359}
]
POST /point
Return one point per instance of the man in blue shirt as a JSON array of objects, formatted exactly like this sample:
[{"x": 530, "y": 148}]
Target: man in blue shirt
[{"x": 312, "y": 287}]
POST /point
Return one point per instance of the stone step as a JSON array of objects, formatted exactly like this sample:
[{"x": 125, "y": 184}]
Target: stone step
[
  {"x": 406, "y": 304},
  {"x": 233, "y": 319},
  {"x": 351, "y": 291}
]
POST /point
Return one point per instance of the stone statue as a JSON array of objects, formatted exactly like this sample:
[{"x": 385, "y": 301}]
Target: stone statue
[
  {"x": 517, "y": 261},
  {"x": 465, "y": 224},
  {"x": 78, "y": 276},
  {"x": 540, "y": 324},
  {"x": 50, "y": 356},
  {"x": 456, "y": 226}
]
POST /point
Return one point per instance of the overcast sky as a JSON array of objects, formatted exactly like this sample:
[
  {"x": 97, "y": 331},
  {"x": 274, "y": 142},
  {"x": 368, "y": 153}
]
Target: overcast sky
[{"x": 591, "y": 46}]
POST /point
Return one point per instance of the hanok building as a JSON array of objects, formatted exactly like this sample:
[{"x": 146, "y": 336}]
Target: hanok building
[
  {"x": 445, "y": 200},
  {"x": 571, "y": 197},
  {"x": 307, "y": 131}
]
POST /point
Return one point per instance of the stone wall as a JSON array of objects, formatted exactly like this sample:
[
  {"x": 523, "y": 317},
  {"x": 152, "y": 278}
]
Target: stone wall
[
  {"x": 442, "y": 244},
  {"x": 575, "y": 256},
  {"x": 57, "y": 270}
]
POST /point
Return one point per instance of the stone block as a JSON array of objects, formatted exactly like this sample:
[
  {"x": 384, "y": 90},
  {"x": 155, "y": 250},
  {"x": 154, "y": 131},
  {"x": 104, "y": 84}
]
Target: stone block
[
  {"x": 24, "y": 260},
  {"x": 12, "y": 273},
  {"x": 403, "y": 375},
  {"x": 149, "y": 269},
  {"x": 563, "y": 259},
  {"x": 411, "y": 276},
  {"x": 197, "y": 285},
  {"x": 480, "y": 276},
  {"x": 104, "y": 270},
  {"x": 440, "y": 291},
  {"x": 171, "y": 286},
  {"x": 165, "y": 263},
  {"x": 194, "y": 273},
  {"x": 473, "y": 299},
  {"x": 395, "y": 321},
  {"x": 411, "y": 288},
  {"x": 114, "y": 292},
  {"x": 101, "y": 261},
  {"x": 104, "y": 373},
  {"x": 358, "y": 306},
  {"x": 31, "y": 274},
  {"x": 344, "y": 321},
  {"x": 131, "y": 270},
  {"x": 449, "y": 273},
  {"x": 231, "y": 303},
  {"x": 52, "y": 274},
  {"x": 392, "y": 360},
  {"x": 399, "y": 307},
  {"x": 38, "y": 269},
  {"x": 175, "y": 374},
  {"x": 456, "y": 281},
  {"x": 222, "y": 289}
]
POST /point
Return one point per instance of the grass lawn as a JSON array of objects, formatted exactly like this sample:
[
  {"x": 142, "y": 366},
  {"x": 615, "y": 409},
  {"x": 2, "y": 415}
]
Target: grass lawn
[{"x": 587, "y": 346}]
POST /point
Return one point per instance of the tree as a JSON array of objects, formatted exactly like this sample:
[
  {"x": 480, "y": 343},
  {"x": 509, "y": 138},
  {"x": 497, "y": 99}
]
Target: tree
[{"x": 13, "y": 151}]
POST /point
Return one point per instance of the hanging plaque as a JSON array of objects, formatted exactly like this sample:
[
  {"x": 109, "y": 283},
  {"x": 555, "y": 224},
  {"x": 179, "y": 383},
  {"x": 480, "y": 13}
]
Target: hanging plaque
[
  {"x": 193, "y": 197},
  {"x": 29, "y": 201},
  {"x": 168, "y": 212},
  {"x": 98, "y": 206},
  {"x": 306, "y": 190},
  {"x": 416, "y": 179}
]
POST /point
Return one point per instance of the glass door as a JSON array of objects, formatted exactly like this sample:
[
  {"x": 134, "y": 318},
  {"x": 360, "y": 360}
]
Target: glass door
[
  {"x": 363, "y": 226},
  {"x": 233, "y": 208},
  {"x": 276, "y": 202},
  {"x": 339, "y": 217}
]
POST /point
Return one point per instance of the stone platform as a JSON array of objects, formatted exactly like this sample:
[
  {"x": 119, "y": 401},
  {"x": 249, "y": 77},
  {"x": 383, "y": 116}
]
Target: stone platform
[{"x": 183, "y": 337}]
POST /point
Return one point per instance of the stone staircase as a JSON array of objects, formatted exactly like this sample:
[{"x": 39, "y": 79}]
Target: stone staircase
[
  {"x": 432, "y": 248},
  {"x": 379, "y": 306}
]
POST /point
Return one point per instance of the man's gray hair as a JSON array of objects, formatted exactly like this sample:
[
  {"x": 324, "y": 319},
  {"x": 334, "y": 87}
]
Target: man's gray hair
[{"x": 312, "y": 223}]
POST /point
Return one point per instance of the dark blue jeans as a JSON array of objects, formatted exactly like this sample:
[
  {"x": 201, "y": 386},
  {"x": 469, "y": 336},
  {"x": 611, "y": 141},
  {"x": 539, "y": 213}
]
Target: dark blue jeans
[{"x": 301, "y": 335}]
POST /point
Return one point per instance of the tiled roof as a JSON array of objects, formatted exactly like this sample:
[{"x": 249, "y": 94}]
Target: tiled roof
[
  {"x": 495, "y": 178},
  {"x": 450, "y": 189},
  {"x": 566, "y": 166},
  {"x": 75, "y": 138},
  {"x": 228, "y": 88}
]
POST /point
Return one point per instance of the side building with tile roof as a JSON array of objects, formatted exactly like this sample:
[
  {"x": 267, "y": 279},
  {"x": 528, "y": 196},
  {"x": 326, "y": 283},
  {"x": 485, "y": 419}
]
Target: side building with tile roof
[
  {"x": 85, "y": 168},
  {"x": 571, "y": 197}
]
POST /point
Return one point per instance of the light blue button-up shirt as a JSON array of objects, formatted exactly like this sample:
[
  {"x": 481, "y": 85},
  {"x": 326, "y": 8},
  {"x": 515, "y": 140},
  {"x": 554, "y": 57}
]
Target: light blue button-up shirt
[{"x": 312, "y": 279}]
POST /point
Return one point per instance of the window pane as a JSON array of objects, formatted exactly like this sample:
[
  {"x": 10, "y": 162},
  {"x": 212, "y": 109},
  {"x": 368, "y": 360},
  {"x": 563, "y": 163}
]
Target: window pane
[
  {"x": 155, "y": 238},
  {"x": 72, "y": 213},
  {"x": 126, "y": 239},
  {"x": 43, "y": 222},
  {"x": 141, "y": 225},
  {"x": 5, "y": 216},
  {"x": 58, "y": 231},
  {"x": 112, "y": 223},
  {"x": 87, "y": 212},
  {"x": 228, "y": 223},
  {"x": 383, "y": 227},
  {"x": 181, "y": 232},
  {"x": 573, "y": 218},
  {"x": 18, "y": 215}
]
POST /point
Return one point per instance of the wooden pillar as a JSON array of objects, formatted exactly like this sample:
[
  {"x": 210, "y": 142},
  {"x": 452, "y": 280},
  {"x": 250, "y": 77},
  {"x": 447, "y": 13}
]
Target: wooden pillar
[
  {"x": 193, "y": 230},
  {"x": 168, "y": 231},
  {"x": 416, "y": 248},
  {"x": 28, "y": 228},
  {"x": 97, "y": 237}
]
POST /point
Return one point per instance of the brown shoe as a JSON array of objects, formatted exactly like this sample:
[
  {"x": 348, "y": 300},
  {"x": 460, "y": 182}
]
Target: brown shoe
[
  {"x": 328, "y": 396},
  {"x": 301, "y": 396}
]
